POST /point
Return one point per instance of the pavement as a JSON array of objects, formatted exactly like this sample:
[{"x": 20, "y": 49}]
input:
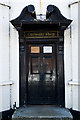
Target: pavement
[{"x": 44, "y": 112}]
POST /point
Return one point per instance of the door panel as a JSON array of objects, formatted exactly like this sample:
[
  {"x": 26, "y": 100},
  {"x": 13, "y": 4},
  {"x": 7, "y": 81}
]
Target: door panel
[
  {"x": 41, "y": 77},
  {"x": 35, "y": 60}
]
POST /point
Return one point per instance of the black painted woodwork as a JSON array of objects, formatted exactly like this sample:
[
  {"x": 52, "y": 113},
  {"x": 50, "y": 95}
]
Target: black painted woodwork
[
  {"x": 53, "y": 14},
  {"x": 41, "y": 84},
  {"x": 53, "y": 17},
  {"x": 27, "y": 21}
]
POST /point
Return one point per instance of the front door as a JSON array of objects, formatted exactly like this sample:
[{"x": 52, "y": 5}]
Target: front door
[{"x": 41, "y": 76}]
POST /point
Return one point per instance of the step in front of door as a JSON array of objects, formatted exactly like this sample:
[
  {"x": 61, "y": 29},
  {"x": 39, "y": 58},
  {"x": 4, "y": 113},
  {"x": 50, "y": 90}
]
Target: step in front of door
[{"x": 42, "y": 112}]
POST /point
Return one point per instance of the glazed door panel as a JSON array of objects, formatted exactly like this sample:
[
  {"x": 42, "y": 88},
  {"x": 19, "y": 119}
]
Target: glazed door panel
[{"x": 41, "y": 74}]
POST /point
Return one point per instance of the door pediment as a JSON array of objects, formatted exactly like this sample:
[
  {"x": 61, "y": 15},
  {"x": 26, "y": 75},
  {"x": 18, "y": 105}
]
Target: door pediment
[{"x": 28, "y": 17}]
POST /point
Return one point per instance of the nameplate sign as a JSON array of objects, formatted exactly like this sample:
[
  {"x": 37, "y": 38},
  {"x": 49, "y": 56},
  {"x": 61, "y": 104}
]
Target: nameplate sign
[
  {"x": 35, "y": 34},
  {"x": 47, "y": 49},
  {"x": 35, "y": 49}
]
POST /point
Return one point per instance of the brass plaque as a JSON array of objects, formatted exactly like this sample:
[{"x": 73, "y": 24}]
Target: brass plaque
[
  {"x": 36, "y": 34},
  {"x": 35, "y": 49}
]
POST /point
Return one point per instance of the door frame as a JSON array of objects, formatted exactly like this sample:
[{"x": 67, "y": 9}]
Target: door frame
[{"x": 60, "y": 67}]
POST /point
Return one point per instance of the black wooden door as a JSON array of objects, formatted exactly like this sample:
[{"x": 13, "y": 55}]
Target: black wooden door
[{"x": 41, "y": 74}]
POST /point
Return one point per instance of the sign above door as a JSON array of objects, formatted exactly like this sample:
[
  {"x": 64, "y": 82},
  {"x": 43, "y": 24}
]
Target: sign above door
[{"x": 38, "y": 34}]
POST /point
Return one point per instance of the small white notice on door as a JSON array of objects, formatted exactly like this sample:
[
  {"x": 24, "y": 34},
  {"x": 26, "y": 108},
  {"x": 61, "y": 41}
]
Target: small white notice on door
[{"x": 47, "y": 49}]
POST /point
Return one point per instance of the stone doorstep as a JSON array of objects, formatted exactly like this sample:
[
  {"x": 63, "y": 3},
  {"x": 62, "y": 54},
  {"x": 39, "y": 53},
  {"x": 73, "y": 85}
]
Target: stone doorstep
[
  {"x": 41, "y": 118},
  {"x": 43, "y": 112}
]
